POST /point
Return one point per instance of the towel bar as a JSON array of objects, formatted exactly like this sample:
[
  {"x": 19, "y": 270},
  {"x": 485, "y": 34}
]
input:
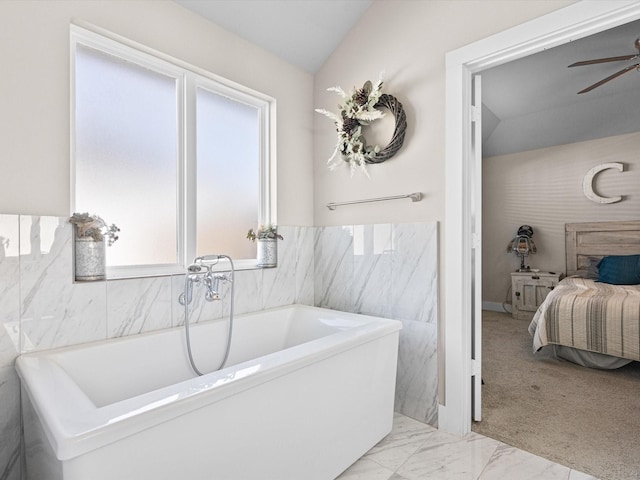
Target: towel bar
[{"x": 415, "y": 197}]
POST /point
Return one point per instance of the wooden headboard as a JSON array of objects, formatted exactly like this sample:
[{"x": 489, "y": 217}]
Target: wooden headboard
[{"x": 584, "y": 240}]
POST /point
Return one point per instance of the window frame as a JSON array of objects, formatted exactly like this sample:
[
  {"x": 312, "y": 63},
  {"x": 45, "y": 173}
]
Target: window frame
[{"x": 188, "y": 79}]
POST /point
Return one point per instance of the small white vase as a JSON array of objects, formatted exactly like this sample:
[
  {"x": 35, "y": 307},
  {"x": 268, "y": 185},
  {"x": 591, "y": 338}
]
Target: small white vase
[
  {"x": 267, "y": 252},
  {"x": 89, "y": 260}
]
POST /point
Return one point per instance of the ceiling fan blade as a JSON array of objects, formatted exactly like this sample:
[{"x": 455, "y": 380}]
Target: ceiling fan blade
[
  {"x": 604, "y": 60},
  {"x": 611, "y": 77}
]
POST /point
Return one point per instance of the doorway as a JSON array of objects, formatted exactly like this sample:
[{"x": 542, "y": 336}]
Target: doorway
[{"x": 463, "y": 177}]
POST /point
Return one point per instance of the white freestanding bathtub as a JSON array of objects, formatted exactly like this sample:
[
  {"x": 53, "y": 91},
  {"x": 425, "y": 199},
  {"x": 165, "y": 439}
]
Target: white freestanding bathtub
[{"x": 306, "y": 393}]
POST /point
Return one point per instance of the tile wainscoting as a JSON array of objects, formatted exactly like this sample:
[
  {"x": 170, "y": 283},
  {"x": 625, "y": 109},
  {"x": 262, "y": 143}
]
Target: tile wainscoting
[
  {"x": 386, "y": 270},
  {"x": 389, "y": 270}
]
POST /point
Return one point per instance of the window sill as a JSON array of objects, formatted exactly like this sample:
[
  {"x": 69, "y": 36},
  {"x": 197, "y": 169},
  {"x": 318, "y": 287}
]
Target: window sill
[{"x": 144, "y": 271}]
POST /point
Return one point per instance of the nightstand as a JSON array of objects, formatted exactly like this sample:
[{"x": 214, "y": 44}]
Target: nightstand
[{"x": 528, "y": 291}]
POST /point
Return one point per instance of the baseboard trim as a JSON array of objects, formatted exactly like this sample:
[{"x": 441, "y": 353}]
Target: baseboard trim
[{"x": 496, "y": 307}]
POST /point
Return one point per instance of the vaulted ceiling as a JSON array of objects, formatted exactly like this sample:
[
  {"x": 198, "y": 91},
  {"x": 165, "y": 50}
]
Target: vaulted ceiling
[
  {"x": 533, "y": 102},
  {"x": 527, "y": 104},
  {"x": 303, "y": 33}
]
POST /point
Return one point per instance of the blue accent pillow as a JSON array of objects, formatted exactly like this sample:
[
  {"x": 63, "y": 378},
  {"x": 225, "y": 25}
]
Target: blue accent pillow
[{"x": 620, "y": 270}]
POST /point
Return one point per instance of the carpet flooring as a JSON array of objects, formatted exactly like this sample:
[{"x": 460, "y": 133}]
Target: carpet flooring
[{"x": 583, "y": 418}]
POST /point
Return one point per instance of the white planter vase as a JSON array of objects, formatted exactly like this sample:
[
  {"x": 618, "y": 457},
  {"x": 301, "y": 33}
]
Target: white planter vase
[
  {"x": 89, "y": 260},
  {"x": 267, "y": 252}
]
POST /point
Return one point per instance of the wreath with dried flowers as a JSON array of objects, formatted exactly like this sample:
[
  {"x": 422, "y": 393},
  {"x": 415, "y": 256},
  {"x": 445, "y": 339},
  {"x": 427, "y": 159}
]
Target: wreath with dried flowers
[{"x": 361, "y": 108}]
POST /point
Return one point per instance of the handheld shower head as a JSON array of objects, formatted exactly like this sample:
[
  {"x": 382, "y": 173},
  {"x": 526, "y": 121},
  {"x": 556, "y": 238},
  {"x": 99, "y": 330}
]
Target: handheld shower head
[{"x": 206, "y": 258}]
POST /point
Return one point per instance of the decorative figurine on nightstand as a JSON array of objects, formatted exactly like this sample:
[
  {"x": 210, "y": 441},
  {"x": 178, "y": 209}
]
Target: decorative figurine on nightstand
[{"x": 522, "y": 245}]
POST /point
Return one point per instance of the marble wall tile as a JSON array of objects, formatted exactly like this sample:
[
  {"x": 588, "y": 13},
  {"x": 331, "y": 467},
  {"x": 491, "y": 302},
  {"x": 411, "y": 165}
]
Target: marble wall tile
[
  {"x": 304, "y": 272},
  {"x": 417, "y": 374},
  {"x": 138, "y": 305},
  {"x": 415, "y": 272},
  {"x": 371, "y": 282},
  {"x": 248, "y": 292},
  {"x": 10, "y": 418},
  {"x": 279, "y": 283},
  {"x": 54, "y": 311},
  {"x": 9, "y": 290},
  {"x": 318, "y": 292},
  {"x": 386, "y": 270},
  {"x": 390, "y": 271},
  {"x": 334, "y": 268},
  {"x": 10, "y": 429},
  {"x": 41, "y": 307}
]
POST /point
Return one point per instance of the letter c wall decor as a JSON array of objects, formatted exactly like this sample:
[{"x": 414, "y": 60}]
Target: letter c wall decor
[{"x": 587, "y": 183}]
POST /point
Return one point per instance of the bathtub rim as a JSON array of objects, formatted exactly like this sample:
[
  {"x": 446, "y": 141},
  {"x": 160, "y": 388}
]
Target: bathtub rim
[{"x": 74, "y": 425}]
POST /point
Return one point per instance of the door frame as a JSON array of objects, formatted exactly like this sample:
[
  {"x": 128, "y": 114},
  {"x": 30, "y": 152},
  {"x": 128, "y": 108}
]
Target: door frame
[{"x": 576, "y": 21}]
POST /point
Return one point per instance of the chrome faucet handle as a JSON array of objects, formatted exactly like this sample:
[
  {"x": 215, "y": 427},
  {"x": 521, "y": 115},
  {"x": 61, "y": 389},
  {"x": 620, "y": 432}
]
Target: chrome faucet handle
[
  {"x": 182, "y": 299},
  {"x": 211, "y": 296}
]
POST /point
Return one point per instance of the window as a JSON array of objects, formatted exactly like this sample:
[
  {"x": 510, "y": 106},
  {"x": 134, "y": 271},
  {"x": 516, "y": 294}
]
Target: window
[
  {"x": 227, "y": 182},
  {"x": 177, "y": 158}
]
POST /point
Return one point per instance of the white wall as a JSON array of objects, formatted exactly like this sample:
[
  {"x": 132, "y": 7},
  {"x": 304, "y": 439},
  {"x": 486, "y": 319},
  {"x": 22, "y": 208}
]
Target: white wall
[
  {"x": 34, "y": 94},
  {"x": 543, "y": 188},
  {"x": 408, "y": 40}
]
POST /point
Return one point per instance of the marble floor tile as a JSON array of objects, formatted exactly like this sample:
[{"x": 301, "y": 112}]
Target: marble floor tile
[
  {"x": 405, "y": 439},
  {"x": 416, "y": 451},
  {"x": 575, "y": 475},
  {"x": 366, "y": 469},
  {"x": 448, "y": 457},
  {"x": 511, "y": 462}
]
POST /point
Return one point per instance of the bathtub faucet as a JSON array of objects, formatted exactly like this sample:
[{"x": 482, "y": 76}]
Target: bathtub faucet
[
  {"x": 212, "y": 282},
  {"x": 200, "y": 273}
]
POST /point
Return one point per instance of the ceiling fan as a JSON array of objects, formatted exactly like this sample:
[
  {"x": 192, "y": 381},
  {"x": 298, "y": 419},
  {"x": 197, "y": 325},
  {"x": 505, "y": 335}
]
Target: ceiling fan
[{"x": 611, "y": 59}]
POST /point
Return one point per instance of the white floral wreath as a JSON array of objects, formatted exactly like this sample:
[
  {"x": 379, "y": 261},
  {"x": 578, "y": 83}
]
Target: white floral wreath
[{"x": 358, "y": 110}]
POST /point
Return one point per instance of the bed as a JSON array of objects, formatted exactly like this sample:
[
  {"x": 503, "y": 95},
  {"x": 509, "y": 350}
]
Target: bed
[{"x": 587, "y": 321}]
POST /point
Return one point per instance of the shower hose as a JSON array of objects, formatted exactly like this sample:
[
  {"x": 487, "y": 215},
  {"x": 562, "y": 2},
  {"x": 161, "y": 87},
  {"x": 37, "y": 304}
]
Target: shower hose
[{"x": 229, "y": 323}]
